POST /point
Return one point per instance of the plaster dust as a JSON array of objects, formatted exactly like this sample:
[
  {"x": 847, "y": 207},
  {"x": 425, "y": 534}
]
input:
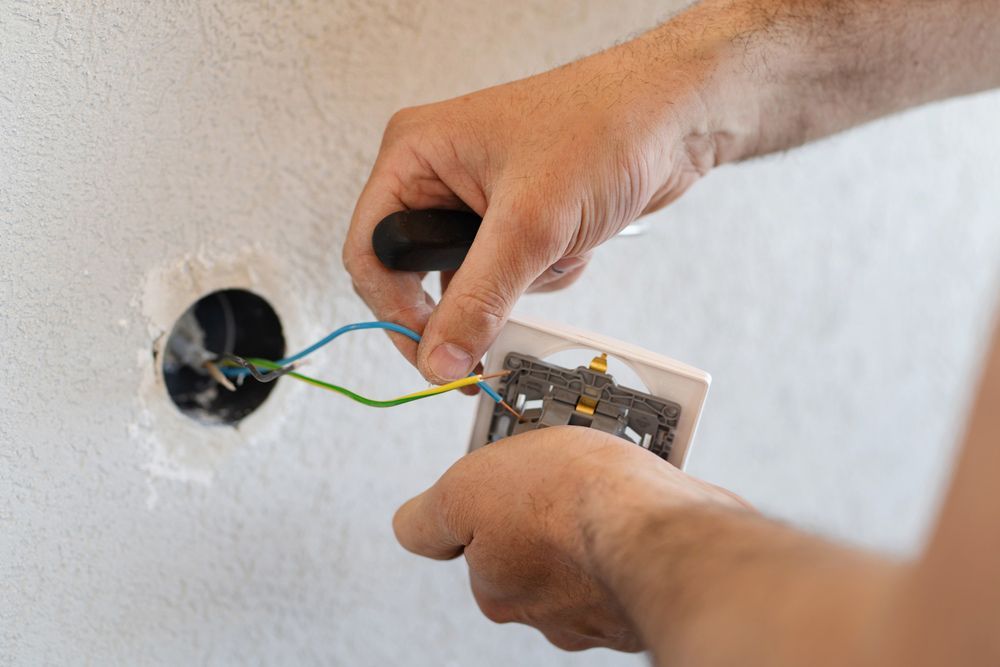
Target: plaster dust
[
  {"x": 181, "y": 448},
  {"x": 154, "y": 152}
]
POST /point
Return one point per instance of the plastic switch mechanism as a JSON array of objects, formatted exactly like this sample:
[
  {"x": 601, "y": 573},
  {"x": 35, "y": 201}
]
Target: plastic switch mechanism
[
  {"x": 661, "y": 417},
  {"x": 549, "y": 395},
  {"x": 427, "y": 240}
]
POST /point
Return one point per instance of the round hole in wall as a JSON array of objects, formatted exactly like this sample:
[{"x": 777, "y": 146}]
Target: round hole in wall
[{"x": 231, "y": 321}]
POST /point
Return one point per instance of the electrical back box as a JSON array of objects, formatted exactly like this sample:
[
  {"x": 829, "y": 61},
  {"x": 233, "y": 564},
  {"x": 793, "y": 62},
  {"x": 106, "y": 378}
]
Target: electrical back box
[{"x": 661, "y": 417}]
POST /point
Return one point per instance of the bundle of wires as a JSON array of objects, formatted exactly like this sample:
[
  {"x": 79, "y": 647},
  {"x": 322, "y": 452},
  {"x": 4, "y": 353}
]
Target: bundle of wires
[{"x": 285, "y": 367}]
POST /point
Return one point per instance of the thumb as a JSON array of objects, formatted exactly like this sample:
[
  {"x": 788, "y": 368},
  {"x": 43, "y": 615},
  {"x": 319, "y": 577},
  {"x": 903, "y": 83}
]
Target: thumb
[
  {"x": 421, "y": 529},
  {"x": 512, "y": 248}
]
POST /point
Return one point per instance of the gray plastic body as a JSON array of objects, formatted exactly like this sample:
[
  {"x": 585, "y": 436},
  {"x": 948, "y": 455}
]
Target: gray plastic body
[
  {"x": 665, "y": 382},
  {"x": 549, "y": 395}
]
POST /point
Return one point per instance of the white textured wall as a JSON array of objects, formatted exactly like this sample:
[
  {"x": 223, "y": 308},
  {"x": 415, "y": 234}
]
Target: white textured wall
[{"x": 151, "y": 152}]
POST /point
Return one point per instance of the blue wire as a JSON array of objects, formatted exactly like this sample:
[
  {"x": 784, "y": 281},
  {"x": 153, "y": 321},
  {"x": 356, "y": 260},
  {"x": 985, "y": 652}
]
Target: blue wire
[{"x": 390, "y": 326}]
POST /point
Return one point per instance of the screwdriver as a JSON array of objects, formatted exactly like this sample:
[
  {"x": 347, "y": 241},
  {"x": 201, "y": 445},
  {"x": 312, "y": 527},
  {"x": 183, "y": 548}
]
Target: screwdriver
[{"x": 427, "y": 240}]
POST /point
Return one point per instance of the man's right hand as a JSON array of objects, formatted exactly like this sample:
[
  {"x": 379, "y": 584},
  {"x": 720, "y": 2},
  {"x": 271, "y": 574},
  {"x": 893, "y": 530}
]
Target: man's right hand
[
  {"x": 556, "y": 164},
  {"x": 559, "y": 162}
]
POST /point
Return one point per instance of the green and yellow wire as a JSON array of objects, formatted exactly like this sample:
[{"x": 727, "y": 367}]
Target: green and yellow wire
[
  {"x": 406, "y": 398},
  {"x": 285, "y": 367}
]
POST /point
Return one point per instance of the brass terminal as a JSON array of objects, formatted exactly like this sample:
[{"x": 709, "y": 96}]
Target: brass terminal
[
  {"x": 586, "y": 405},
  {"x": 600, "y": 364}
]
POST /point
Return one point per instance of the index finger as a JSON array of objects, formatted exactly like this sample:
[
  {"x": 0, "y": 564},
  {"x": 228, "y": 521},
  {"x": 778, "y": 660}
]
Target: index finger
[{"x": 393, "y": 296}]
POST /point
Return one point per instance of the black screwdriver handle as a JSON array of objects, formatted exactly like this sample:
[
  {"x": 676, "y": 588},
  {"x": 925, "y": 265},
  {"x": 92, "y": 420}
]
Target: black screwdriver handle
[{"x": 429, "y": 240}]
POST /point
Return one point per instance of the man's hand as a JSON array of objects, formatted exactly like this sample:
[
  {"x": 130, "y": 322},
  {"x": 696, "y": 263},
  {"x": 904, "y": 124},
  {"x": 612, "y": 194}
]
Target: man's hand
[
  {"x": 556, "y": 164},
  {"x": 527, "y": 513},
  {"x": 595, "y": 541}
]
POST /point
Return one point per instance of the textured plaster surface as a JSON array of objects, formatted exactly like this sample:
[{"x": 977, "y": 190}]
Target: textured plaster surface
[{"x": 152, "y": 152}]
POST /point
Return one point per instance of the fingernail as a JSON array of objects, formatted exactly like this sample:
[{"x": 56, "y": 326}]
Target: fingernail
[
  {"x": 566, "y": 264},
  {"x": 450, "y": 362}
]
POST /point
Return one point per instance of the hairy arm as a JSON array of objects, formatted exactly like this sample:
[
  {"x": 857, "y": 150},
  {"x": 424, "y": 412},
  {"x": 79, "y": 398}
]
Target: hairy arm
[
  {"x": 559, "y": 162},
  {"x": 734, "y": 588},
  {"x": 597, "y": 542},
  {"x": 778, "y": 73},
  {"x": 737, "y": 588}
]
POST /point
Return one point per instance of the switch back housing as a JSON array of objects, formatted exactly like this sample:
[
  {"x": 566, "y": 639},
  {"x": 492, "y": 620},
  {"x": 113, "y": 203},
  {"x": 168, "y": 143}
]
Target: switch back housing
[{"x": 663, "y": 418}]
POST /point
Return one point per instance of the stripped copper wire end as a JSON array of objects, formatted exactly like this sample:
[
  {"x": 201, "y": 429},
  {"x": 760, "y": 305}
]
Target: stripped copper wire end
[
  {"x": 506, "y": 406},
  {"x": 219, "y": 376},
  {"x": 270, "y": 376},
  {"x": 213, "y": 369}
]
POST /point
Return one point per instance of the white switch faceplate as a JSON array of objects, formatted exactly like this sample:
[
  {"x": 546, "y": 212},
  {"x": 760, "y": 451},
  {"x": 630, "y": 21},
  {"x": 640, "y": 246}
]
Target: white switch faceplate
[{"x": 664, "y": 377}]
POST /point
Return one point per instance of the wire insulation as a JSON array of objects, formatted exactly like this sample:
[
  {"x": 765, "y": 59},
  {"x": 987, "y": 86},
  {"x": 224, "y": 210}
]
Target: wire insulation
[
  {"x": 359, "y": 326},
  {"x": 407, "y": 398}
]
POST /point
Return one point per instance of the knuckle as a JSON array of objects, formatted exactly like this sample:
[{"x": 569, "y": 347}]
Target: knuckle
[
  {"x": 496, "y": 612},
  {"x": 359, "y": 281},
  {"x": 627, "y": 643},
  {"x": 350, "y": 261},
  {"x": 484, "y": 304},
  {"x": 569, "y": 641},
  {"x": 407, "y": 314},
  {"x": 402, "y": 123},
  {"x": 401, "y": 117},
  {"x": 397, "y": 117},
  {"x": 491, "y": 606},
  {"x": 544, "y": 237},
  {"x": 543, "y": 229}
]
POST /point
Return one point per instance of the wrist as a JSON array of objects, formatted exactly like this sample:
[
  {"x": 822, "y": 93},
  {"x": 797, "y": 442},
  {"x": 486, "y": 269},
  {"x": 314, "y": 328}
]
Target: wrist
[
  {"x": 626, "y": 517},
  {"x": 774, "y": 74},
  {"x": 735, "y": 80},
  {"x": 705, "y": 81}
]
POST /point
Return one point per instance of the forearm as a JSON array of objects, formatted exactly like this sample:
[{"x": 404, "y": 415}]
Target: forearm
[
  {"x": 738, "y": 589},
  {"x": 730, "y": 587},
  {"x": 772, "y": 74}
]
